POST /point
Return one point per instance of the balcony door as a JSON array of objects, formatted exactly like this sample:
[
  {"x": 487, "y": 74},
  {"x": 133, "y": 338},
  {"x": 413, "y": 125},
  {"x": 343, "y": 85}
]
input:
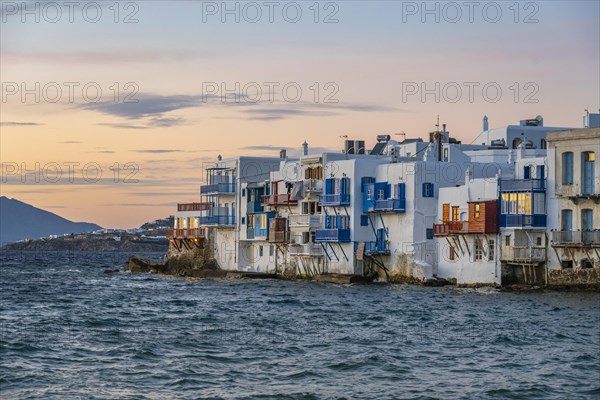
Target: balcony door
[
  {"x": 587, "y": 171},
  {"x": 566, "y": 220}
]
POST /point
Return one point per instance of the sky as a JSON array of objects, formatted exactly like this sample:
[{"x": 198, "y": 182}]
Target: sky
[{"x": 110, "y": 110}]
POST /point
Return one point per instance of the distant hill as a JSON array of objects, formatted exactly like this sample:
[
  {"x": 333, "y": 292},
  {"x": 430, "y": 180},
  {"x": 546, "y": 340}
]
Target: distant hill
[{"x": 19, "y": 221}]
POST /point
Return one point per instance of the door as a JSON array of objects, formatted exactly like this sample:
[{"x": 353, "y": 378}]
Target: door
[
  {"x": 587, "y": 224},
  {"x": 445, "y": 213},
  {"x": 589, "y": 158},
  {"x": 567, "y": 225}
]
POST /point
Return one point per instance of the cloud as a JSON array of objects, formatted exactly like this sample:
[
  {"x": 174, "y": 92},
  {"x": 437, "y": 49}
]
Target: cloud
[
  {"x": 121, "y": 125},
  {"x": 14, "y": 123},
  {"x": 145, "y": 106},
  {"x": 157, "y": 151},
  {"x": 71, "y": 142}
]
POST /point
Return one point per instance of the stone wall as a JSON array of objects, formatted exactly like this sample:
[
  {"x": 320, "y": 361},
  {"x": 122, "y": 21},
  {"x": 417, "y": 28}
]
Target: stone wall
[{"x": 577, "y": 278}]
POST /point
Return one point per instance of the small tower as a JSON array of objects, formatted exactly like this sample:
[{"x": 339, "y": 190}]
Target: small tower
[
  {"x": 305, "y": 148},
  {"x": 485, "y": 123}
]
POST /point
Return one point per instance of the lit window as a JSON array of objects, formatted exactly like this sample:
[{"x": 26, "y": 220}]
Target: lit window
[{"x": 477, "y": 210}]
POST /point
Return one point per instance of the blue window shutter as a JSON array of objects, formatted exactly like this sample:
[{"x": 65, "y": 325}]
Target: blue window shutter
[
  {"x": 527, "y": 172},
  {"x": 429, "y": 233},
  {"x": 364, "y": 220},
  {"x": 402, "y": 191},
  {"x": 329, "y": 186},
  {"x": 431, "y": 190},
  {"x": 424, "y": 190}
]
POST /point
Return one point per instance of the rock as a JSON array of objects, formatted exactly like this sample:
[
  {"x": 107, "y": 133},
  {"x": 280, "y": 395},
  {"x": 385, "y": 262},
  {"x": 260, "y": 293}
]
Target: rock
[
  {"x": 111, "y": 271},
  {"x": 136, "y": 265}
]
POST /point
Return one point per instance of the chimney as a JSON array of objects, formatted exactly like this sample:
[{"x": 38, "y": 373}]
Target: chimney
[
  {"x": 305, "y": 148},
  {"x": 485, "y": 123},
  {"x": 283, "y": 154}
]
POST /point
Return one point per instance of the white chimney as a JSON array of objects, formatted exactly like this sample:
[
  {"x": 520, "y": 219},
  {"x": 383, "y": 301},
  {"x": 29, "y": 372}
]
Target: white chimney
[{"x": 485, "y": 123}]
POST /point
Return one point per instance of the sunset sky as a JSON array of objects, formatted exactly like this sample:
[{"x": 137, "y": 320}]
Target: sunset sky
[{"x": 173, "y": 57}]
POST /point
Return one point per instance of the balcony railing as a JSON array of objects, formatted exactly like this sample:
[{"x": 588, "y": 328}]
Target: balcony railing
[
  {"x": 377, "y": 248},
  {"x": 218, "y": 220},
  {"x": 450, "y": 227},
  {"x": 576, "y": 238},
  {"x": 255, "y": 207},
  {"x": 333, "y": 235},
  {"x": 522, "y": 221},
  {"x": 278, "y": 236},
  {"x": 510, "y": 185},
  {"x": 313, "y": 185},
  {"x": 191, "y": 206},
  {"x": 278, "y": 199},
  {"x": 223, "y": 188},
  {"x": 305, "y": 221},
  {"x": 524, "y": 254},
  {"x": 389, "y": 205},
  {"x": 335, "y": 199},
  {"x": 193, "y": 233},
  {"x": 309, "y": 249},
  {"x": 253, "y": 233}
]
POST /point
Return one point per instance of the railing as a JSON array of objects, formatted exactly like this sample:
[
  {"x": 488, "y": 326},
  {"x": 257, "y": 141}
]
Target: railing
[
  {"x": 193, "y": 233},
  {"x": 278, "y": 236},
  {"x": 507, "y": 185},
  {"x": 253, "y": 233},
  {"x": 278, "y": 199},
  {"x": 522, "y": 221},
  {"x": 578, "y": 238},
  {"x": 390, "y": 205},
  {"x": 335, "y": 199},
  {"x": 255, "y": 207},
  {"x": 377, "y": 248},
  {"x": 191, "y": 206},
  {"x": 228, "y": 187},
  {"x": 309, "y": 249},
  {"x": 450, "y": 227},
  {"x": 333, "y": 235},
  {"x": 305, "y": 220},
  {"x": 525, "y": 254},
  {"x": 218, "y": 220},
  {"x": 313, "y": 185}
]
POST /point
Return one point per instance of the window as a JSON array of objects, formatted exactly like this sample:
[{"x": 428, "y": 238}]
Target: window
[
  {"x": 455, "y": 214},
  {"x": 446, "y": 154},
  {"x": 243, "y": 192},
  {"x": 263, "y": 221},
  {"x": 451, "y": 254},
  {"x": 543, "y": 144},
  {"x": 428, "y": 189},
  {"x": 429, "y": 233},
  {"x": 567, "y": 168},
  {"x": 477, "y": 210},
  {"x": 527, "y": 172},
  {"x": 369, "y": 194},
  {"x": 381, "y": 194},
  {"x": 491, "y": 250},
  {"x": 566, "y": 218},
  {"x": 445, "y": 213},
  {"x": 478, "y": 250},
  {"x": 507, "y": 240},
  {"x": 271, "y": 250},
  {"x": 588, "y": 159},
  {"x": 539, "y": 241},
  {"x": 364, "y": 220},
  {"x": 260, "y": 251},
  {"x": 243, "y": 220}
]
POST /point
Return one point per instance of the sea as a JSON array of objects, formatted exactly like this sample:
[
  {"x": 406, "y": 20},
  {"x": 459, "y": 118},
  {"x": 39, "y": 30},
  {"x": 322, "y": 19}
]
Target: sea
[{"x": 76, "y": 326}]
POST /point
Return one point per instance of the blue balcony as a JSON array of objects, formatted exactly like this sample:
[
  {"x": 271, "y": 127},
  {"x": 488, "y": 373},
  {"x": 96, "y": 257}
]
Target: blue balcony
[
  {"x": 381, "y": 247},
  {"x": 255, "y": 207},
  {"x": 522, "y": 185},
  {"x": 218, "y": 220},
  {"x": 257, "y": 233},
  {"x": 218, "y": 188},
  {"x": 522, "y": 221},
  {"x": 389, "y": 205},
  {"x": 335, "y": 199},
  {"x": 333, "y": 235}
]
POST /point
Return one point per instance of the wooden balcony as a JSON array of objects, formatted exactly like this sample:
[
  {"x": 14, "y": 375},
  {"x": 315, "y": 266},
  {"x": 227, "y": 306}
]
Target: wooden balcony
[
  {"x": 448, "y": 228},
  {"x": 193, "y": 233},
  {"x": 192, "y": 207},
  {"x": 278, "y": 232},
  {"x": 309, "y": 249},
  {"x": 524, "y": 254},
  {"x": 278, "y": 199}
]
